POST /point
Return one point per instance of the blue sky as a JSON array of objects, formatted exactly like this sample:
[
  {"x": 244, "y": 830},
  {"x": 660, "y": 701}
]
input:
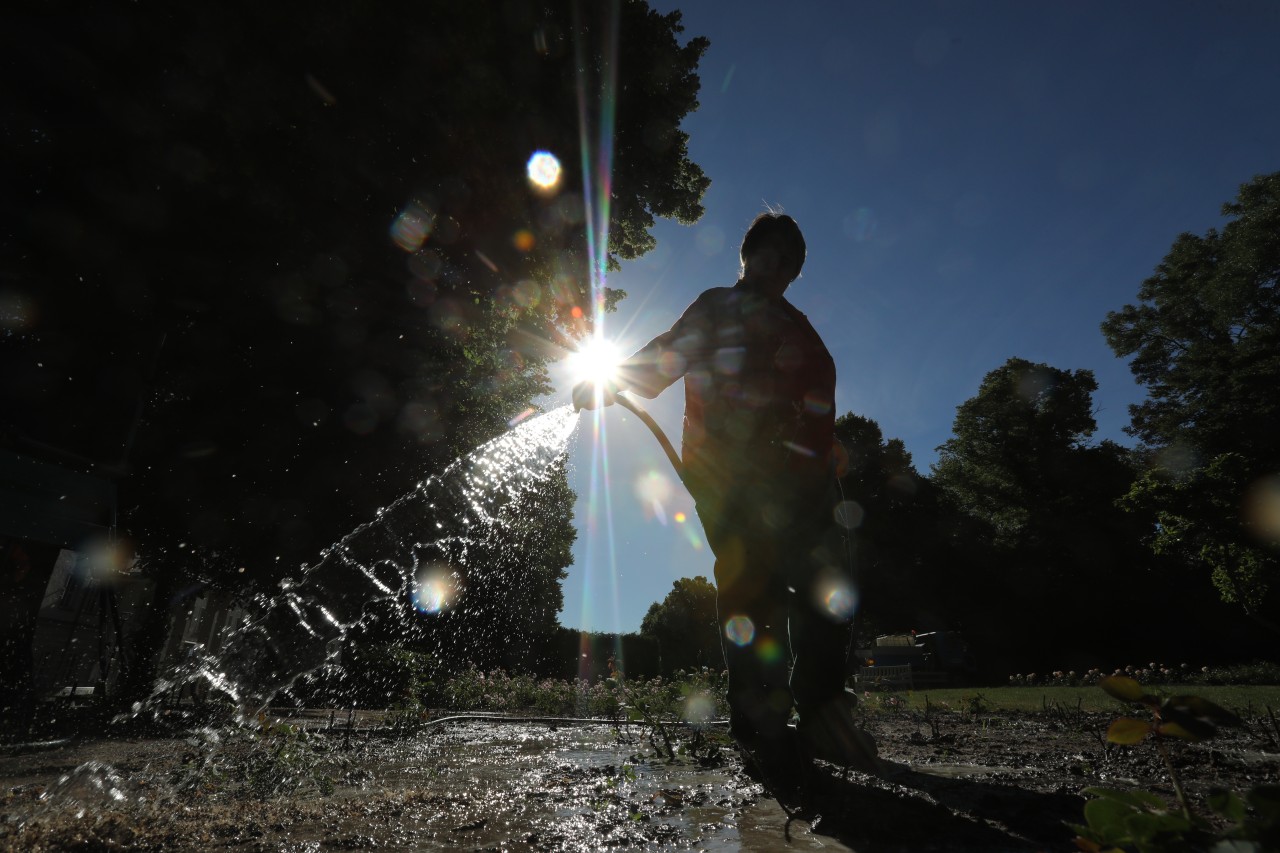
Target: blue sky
[{"x": 975, "y": 181}]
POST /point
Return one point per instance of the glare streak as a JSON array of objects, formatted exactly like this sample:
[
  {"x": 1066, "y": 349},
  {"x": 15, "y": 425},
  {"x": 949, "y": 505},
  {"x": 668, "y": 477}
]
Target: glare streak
[{"x": 596, "y": 105}]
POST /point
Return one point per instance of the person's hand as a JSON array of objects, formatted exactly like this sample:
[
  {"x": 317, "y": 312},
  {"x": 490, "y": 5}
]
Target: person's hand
[{"x": 590, "y": 395}]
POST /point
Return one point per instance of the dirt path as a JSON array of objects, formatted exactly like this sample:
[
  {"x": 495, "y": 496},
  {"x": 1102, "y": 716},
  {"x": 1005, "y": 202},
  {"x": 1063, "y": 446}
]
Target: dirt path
[{"x": 960, "y": 782}]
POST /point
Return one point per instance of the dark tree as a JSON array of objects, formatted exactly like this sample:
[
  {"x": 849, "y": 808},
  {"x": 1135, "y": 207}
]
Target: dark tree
[
  {"x": 1204, "y": 339},
  {"x": 1037, "y": 530},
  {"x": 685, "y": 626},
  {"x": 891, "y": 515},
  {"x": 268, "y": 265},
  {"x": 1012, "y": 446}
]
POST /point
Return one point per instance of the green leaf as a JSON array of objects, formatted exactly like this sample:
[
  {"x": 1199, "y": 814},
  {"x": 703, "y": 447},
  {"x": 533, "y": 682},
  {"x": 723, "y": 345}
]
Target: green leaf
[
  {"x": 1205, "y": 710},
  {"x": 1123, "y": 688},
  {"x": 1228, "y": 804},
  {"x": 1175, "y": 730},
  {"x": 1107, "y": 819},
  {"x": 1127, "y": 730},
  {"x": 1147, "y": 826},
  {"x": 1180, "y": 724}
]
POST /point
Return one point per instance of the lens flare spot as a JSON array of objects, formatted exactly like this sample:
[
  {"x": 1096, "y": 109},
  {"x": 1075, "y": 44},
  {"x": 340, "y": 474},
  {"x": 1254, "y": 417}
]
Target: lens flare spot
[
  {"x": 699, "y": 708},
  {"x": 740, "y": 630},
  {"x": 838, "y": 599},
  {"x": 656, "y": 511},
  {"x": 654, "y": 491},
  {"x": 680, "y": 518},
  {"x": 412, "y": 227},
  {"x": 435, "y": 590},
  {"x": 104, "y": 561},
  {"x": 861, "y": 224},
  {"x": 526, "y": 294},
  {"x": 1176, "y": 460},
  {"x": 848, "y": 514},
  {"x": 544, "y": 170},
  {"x": 575, "y": 312},
  {"x": 524, "y": 240},
  {"x": 1262, "y": 507},
  {"x": 799, "y": 449},
  {"x": 769, "y": 651},
  {"x": 518, "y": 418},
  {"x": 816, "y": 404}
]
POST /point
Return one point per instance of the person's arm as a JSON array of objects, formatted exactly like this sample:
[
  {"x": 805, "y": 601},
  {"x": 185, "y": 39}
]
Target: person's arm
[{"x": 655, "y": 366}]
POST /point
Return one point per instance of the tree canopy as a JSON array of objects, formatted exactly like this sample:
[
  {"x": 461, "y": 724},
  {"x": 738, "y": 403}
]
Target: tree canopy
[
  {"x": 1014, "y": 444},
  {"x": 686, "y": 626},
  {"x": 1036, "y": 520},
  {"x": 269, "y": 265},
  {"x": 1204, "y": 338},
  {"x": 889, "y": 515}
]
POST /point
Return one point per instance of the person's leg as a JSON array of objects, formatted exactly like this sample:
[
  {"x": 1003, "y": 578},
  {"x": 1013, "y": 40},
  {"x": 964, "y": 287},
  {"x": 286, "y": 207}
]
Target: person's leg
[
  {"x": 821, "y": 613},
  {"x": 821, "y": 618},
  {"x": 752, "y": 616},
  {"x": 820, "y": 645}
]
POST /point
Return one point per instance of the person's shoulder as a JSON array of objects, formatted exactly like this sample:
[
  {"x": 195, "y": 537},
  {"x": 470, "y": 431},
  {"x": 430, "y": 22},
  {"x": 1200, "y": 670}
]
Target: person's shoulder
[
  {"x": 714, "y": 298},
  {"x": 791, "y": 309},
  {"x": 718, "y": 293}
]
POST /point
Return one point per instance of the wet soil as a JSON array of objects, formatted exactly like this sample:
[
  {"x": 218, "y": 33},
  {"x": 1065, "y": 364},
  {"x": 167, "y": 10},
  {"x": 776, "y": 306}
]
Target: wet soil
[{"x": 953, "y": 782}]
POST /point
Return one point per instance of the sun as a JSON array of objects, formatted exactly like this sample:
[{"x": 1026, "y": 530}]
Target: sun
[{"x": 597, "y": 360}]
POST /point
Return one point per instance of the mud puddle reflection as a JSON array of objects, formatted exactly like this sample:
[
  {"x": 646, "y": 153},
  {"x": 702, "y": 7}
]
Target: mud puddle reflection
[{"x": 536, "y": 787}]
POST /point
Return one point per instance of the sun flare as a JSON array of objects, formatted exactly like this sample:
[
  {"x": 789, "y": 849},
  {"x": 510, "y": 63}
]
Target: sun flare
[{"x": 597, "y": 360}]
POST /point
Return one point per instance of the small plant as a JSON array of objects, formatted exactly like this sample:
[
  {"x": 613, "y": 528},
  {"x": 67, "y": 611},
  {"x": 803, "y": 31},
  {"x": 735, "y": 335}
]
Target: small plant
[
  {"x": 891, "y": 702},
  {"x": 284, "y": 761},
  {"x": 1188, "y": 718},
  {"x": 1118, "y": 820},
  {"x": 976, "y": 704},
  {"x": 406, "y": 718},
  {"x": 1139, "y": 820},
  {"x": 668, "y": 708}
]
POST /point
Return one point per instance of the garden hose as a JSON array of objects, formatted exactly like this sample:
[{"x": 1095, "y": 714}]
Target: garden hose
[{"x": 647, "y": 419}]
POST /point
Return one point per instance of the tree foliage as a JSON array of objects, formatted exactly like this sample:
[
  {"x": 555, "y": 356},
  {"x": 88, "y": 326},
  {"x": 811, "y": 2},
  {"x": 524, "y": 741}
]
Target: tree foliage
[
  {"x": 1204, "y": 338},
  {"x": 890, "y": 513},
  {"x": 269, "y": 265},
  {"x": 300, "y": 244},
  {"x": 1036, "y": 523},
  {"x": 686, "y": 626},
  {"x": 1014, "y": 446}
]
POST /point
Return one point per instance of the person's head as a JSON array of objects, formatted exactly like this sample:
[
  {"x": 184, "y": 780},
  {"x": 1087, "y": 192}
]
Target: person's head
[{"x": 773, "y": 248}]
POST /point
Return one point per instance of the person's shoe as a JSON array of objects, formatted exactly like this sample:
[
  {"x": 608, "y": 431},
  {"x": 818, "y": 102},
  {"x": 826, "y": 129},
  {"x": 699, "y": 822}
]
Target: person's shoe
[
  {"x": 831, "y": 735},
  {"x": 777, "y": 763}
]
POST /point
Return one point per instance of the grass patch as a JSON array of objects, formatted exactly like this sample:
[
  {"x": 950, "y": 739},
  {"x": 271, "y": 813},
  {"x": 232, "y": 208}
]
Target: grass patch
[{"x": 1239, "y": 698}]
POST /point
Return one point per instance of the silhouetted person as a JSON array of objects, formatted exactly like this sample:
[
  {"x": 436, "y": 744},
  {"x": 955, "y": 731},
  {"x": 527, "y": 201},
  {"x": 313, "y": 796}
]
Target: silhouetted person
[
  {"x": 759, "y": 458},
  {"x": 21, "y": 590}
]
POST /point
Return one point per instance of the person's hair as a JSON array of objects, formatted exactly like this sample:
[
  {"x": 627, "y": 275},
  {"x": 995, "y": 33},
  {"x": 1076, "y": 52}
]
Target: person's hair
[{"x": 777, "y": 230}]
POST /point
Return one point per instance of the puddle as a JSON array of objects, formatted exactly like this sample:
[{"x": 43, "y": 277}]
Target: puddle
[
  {"x": 464, "y": 784},
  {"x": 515, "y": 787},
  {"x": 960, "y": 771}
]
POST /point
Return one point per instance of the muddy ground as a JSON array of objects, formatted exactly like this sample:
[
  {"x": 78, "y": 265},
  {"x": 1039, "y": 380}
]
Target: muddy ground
[{"x": 989, "y": 782}]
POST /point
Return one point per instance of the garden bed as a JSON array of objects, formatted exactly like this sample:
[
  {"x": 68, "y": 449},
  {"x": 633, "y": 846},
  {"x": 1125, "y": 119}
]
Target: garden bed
[{"x": 958, "y": 779}]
